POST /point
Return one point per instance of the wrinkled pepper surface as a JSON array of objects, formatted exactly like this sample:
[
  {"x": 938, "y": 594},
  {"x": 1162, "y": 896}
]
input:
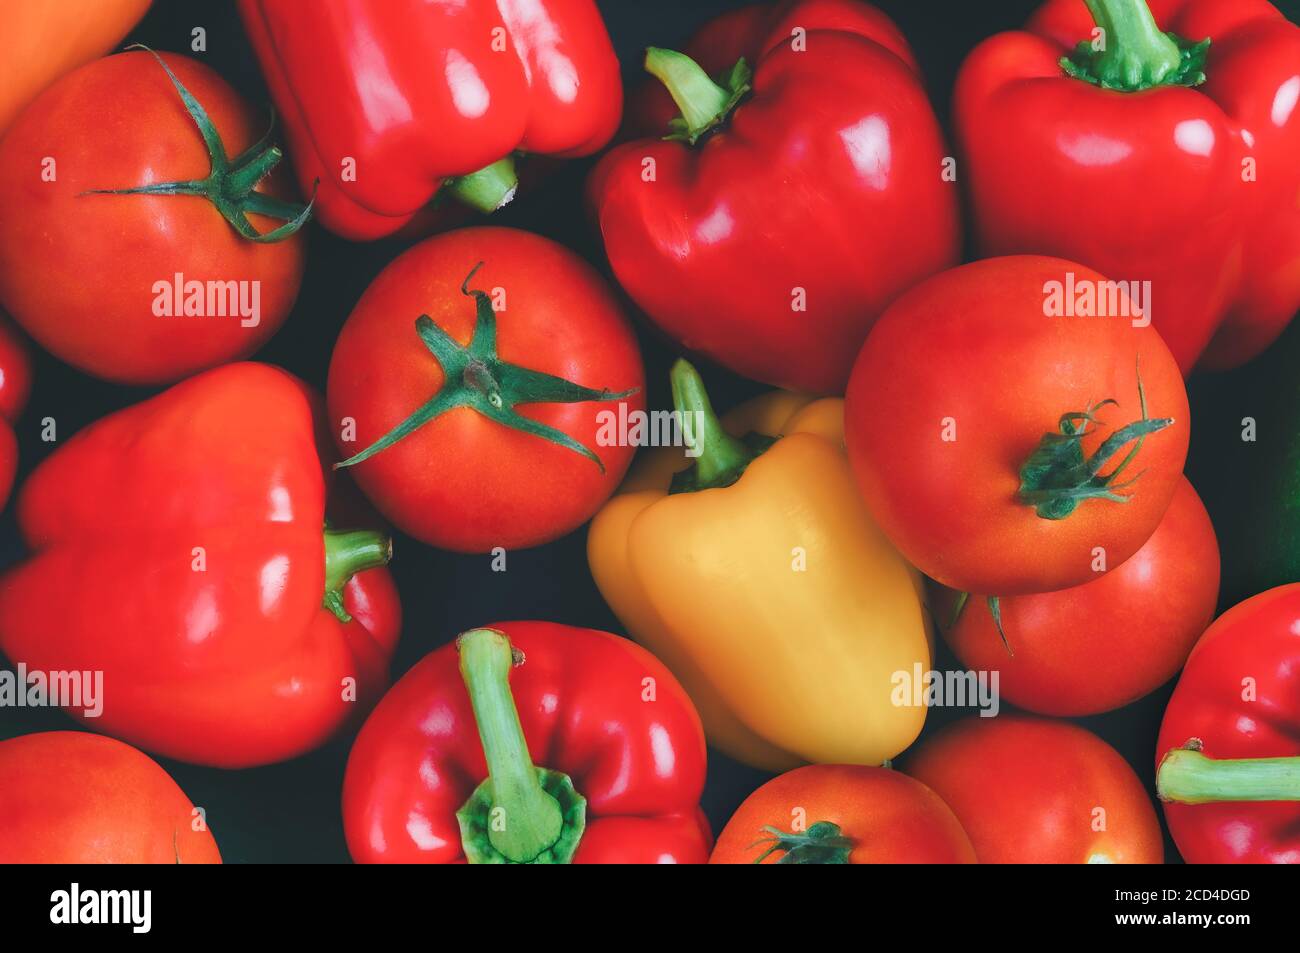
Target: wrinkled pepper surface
[
  {"x": 530, "y": 743},
  {"x": 760, "y": 579},
  {"x": 389, "y": 102},
  {"x": 180, "y": 548},
  {"x": 1062, "y": 142}
]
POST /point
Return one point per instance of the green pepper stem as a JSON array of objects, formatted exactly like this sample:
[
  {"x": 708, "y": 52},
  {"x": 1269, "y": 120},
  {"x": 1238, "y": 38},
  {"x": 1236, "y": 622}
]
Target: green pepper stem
[
  {"x": 1133, "y": 41},
  {"x": 701, "y": 100},
  {"x": 490, "y": 188},
  {"x": 532, "y": 820},
  {"x": 1135, "y": 54},
  {"x": 721, "y": 458},
  {"x": 1186, "y": 776},
  {"x": 348, "y": 552}
]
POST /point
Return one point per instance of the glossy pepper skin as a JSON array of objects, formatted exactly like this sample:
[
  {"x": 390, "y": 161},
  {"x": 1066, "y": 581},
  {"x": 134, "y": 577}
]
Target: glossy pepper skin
[
  {"x": 421, "y": 93},
  {"x": 1228, "y": 756},
  {"x": 773, "y": 597},
  {"x": 190, "y": 528},
  {"x": 1058, "y": 165},
  {"x": 71, "y": 797},
  {"x": 802, "y": 201},
  {"x": 602, "y": 724},
  {"x": 15, "y": 388}
]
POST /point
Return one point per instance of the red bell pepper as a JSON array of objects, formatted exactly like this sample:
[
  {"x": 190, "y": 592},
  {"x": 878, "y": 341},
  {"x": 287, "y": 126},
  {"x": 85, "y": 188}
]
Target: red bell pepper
[
  {"x": 1228, "y": 757},
  {"x": 443, "y": 771},
  {"x": 791, "y": 204},
  {"x": 1160, "y": 158},
  {"x": 15, "y": 387},
  {"x": 747, "y": 32},
  {"x": 179, "y": 548},
  {"x": 390, "y": 102}
]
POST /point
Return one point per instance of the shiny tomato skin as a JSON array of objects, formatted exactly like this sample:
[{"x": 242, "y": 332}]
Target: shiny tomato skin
[
  {"x": 71, "y": 797},
  {"x": 1032, "y": 791},
  {"x": 78, "y": 271},
  {"x": 1106, "y": 643},
  {"x": 890, "y": 817},
  {"x": 955, "y": 388},
  {"x": 464, "y": 482}
]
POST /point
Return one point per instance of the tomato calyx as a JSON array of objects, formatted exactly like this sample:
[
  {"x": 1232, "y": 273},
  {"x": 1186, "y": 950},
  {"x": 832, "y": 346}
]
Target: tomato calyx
[
  {"x": 720, "y": 458},
  {"x": 704, "y": 103},
  {"x": 521, "y": 814},
  {"x": 1134, "y": 53},
  {"x": 821, "y": 843},
  {"x": 348, "y": 552},
  {"x": 995, "y": 610},
  {"x": 1057, "y": 476},
  {"x": 1187, "y": 775},
  {"x": 475, "y": 377},
  {"x": 231, "y": 183},
  {"x": 487, "y": 190},
  {"x": 994, "y": 604}
]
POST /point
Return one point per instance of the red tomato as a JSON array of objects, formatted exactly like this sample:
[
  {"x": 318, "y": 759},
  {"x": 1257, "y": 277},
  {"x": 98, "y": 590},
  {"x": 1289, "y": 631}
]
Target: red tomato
[
  {"x": 86, "y": 274},
  {"x": 70, "y": 797},
  {"x": 1036, "y": 791},
  {"x": 15, "y": 387},
  {"x": 1101, "y": 645},
  {"x": 843, "y": 813},
  {"x": 964, "y": 378},
  {"x": 473, "y": 477}
]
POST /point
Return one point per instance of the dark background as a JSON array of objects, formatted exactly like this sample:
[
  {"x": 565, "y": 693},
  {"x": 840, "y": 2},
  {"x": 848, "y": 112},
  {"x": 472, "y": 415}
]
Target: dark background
[{"x": 290, "y": 812}]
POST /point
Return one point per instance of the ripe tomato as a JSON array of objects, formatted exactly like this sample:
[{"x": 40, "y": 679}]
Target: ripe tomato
[
  {"x": 966, "y": 377},
  {"x": 1036, "y": 791},
  {"x": 843, "y": 814},
  {"x": 15, "y": 387},
  {"x": 87, "y": 274},
  {"x": 474, "y": 473},
  {"x": 1101, "y": 645},
  {"x": 70, "y": 797}
]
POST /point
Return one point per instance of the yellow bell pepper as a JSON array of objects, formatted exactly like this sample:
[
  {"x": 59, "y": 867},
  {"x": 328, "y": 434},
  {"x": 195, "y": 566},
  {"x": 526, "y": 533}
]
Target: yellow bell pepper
[
  {"x": 764, "y": 585},
  {"x": 46, "y": 38}
]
